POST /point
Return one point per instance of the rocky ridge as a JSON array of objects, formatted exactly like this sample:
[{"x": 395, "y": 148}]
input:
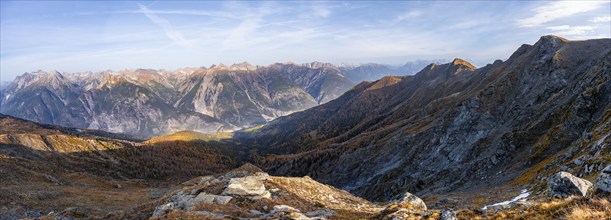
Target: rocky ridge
[{"x": 430, "y": 134}]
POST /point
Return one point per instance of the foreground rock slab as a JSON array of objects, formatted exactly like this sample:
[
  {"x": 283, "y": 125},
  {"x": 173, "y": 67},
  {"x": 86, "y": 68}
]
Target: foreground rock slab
[
  {"x": 250, "y": 186},
  {"x": 248, "y": 193}
]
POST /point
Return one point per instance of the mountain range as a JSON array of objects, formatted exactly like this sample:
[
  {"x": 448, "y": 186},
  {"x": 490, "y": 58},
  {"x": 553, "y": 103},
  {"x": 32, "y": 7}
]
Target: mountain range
[
  {"x": 451, "y": 141},
  {"x": 453, "y": 127},
  {"x": 147, "y": 102}
]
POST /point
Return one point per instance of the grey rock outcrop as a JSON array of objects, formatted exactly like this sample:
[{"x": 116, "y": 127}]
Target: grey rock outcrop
[
  {"x": 563, "y": 184},
  {"x": 603, "y": 182},
  {"x": 212, "y": 199},
  {"x": 249, "y": 186},
  {"x": 413, "y": 200},
  {"x": 242, "y": 197},
  {"x": 448, "y": 214},
  {"x": 162, "y": 209}
]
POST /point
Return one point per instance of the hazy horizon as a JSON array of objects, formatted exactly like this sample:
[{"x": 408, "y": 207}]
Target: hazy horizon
[{"x": 95, "y": 36}]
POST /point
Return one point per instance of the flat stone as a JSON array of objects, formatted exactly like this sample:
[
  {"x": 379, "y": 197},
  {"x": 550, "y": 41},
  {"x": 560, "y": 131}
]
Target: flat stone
[
  {"x": 322, "y": 212},
  {"x": 255, "y": 212},
  {"x": 206, "y": 198},
  {"x": 222, "y": 200},
  {"x": 285, "y": 208},
  {"x": 249, "y": 186},
  {"x": 298, "y": 216}
]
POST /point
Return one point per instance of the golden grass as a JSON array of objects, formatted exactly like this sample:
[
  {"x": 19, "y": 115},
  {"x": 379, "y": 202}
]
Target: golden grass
[
  {"x": 584, "y": 213},
  {"x": 191, "y": 136},
  {"x": 571, "y": 208},
  {"x": 528, "y": 176},
  {"x": 254, "y": 128}
]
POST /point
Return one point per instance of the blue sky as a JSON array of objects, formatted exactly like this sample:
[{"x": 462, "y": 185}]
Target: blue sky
[{"x": 75, "y": 36}]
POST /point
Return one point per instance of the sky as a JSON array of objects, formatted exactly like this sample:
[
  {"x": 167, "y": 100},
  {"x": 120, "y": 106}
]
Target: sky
[{"x": 74, "y": 36}]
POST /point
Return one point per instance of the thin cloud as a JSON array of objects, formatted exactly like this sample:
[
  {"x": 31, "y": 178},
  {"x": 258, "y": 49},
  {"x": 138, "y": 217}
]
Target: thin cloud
[
  {"x": 601, "y": 19},
  {"x": 321, "y": 11},
  {"x": 567, "y": 30},
  {"x": 187, "y": 12},
  {"x": 165, "y": 25},
  {"x": 241, "y": 36},
  {"x": 557, "y": 10},
  {"x": 467, "y": 24},
  {"x": 407, "y": 15}
]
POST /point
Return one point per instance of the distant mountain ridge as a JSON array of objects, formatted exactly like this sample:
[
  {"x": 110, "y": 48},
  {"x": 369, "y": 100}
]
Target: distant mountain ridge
[{"x": 148, "y": 102}]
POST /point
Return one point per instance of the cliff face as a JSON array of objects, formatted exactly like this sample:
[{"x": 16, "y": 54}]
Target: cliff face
[
  {"x": 451, "y": 126},
  {"x": 242, "y": 97}
]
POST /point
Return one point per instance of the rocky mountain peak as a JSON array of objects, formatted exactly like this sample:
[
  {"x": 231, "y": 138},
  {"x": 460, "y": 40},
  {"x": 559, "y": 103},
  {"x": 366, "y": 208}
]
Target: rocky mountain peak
[
  {"x": 55, "y": 73},
  {"x": 443, "y": 71},
  {"x": 218, "y": 66},
  {"x": 243, "y": 66},
  {"x": 52, "y": 79},
  {"x": 41, "y": 73},
  {"x": 111, "y": 80},
  {"x": 552, "y": 39},
  {"x": 461, "y": 62},
  {"x": 550, "y": 42},
  {"x": 318, "y": 65}
]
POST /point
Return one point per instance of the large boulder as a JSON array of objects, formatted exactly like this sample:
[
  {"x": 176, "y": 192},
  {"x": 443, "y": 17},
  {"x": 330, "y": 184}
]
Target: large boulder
[
  {"x": 413, "y": 201},
  {"x": 603, "y": 182},
  {"x": 563, "y": 184},
  {"x": 250, "y": 186}
]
